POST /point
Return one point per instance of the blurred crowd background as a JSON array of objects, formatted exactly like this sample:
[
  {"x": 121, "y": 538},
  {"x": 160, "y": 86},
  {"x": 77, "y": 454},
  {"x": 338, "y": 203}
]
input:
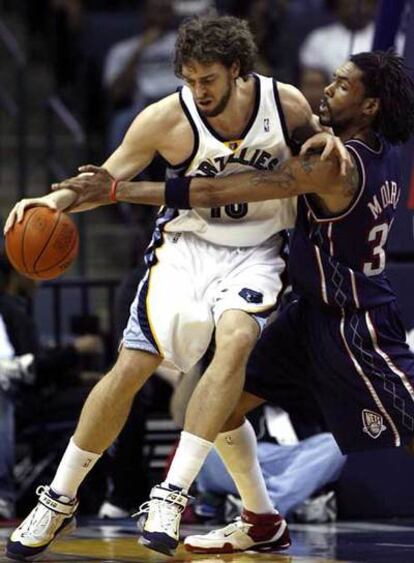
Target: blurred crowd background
[
  {"x": 74, "y": 74},
  {"x": 103, "y": 61}
]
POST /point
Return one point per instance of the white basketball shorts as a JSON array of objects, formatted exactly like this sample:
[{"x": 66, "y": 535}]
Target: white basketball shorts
[{"x": 193, "y": 282}]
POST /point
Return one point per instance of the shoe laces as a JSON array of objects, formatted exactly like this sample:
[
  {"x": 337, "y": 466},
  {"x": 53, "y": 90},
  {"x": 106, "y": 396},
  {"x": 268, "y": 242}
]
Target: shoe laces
[
  {"x": 167, "y": 510},
  {"x": 41, "y": 519},
  {"x": 237, "y": 525}
]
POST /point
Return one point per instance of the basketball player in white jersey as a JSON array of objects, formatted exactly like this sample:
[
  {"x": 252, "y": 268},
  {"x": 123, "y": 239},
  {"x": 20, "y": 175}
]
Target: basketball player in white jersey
[{"x": 215, "y": 271}]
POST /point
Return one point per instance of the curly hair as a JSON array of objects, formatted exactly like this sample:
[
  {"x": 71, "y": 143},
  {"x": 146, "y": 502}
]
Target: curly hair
[
  {"x": 210, "y": 39},
  {"x": 385, "y": 77}
]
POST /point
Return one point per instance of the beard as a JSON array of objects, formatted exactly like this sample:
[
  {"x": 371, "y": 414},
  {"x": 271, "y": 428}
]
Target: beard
[
  {"x": 220, "y": 107},
  {"x": 325, "y": 113},
  {"x": 337, "y": 125},
  {"x": 325, "y": 120}
]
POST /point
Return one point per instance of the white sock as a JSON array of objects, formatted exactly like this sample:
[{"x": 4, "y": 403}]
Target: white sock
[
  {"x": 188, "y": 459},
  {"x": 238, "y": 450},
  {"x": 73, "y": 468}
]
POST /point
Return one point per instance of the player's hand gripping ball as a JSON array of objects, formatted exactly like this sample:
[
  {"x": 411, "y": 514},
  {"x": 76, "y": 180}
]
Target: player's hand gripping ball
[{"x": 44, "y": 244}]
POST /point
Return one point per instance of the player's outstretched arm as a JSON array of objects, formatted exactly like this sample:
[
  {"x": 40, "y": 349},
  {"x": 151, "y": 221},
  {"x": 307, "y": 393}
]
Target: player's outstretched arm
[
  {"x": 302, "y": 174},
  {"x": 62, "y": 200},
  {"x": 298, "y": 175}
]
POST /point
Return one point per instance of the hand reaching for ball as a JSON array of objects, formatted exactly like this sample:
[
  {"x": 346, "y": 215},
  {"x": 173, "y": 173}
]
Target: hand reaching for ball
[
  {"x": 86, "y": 191},
  {"x": 42, "y": 242},
  {"x": 92, "y": 186},
  {"x": 17, "y": 213}
]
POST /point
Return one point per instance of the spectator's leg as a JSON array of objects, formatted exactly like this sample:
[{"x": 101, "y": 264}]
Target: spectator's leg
[
  {"x": 7, "y": 446},
  {"x": 295, "y": 473}
]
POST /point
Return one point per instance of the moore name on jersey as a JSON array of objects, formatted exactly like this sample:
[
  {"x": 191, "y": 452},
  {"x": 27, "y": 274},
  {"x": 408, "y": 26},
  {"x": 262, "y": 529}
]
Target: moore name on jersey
[{"x": 389, "y": 194}]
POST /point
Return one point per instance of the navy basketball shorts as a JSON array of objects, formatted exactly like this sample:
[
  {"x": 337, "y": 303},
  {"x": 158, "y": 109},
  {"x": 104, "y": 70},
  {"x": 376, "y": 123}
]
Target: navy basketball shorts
[{"x": 355, "y": 363}]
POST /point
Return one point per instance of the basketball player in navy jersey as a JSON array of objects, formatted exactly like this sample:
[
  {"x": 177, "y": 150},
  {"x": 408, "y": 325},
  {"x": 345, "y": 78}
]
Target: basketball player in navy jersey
[
  {"x": 209, "y": 270},
  {"x": 342, "y": 337}
]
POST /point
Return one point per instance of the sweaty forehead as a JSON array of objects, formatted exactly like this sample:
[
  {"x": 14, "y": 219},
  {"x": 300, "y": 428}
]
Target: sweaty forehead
[
  {"x": 350, "y": 72},
  {"x": 194, "y": 69}
]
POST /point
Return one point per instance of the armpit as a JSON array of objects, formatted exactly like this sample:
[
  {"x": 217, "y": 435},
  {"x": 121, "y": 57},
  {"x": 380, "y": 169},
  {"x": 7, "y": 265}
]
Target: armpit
[
  {"x": 299, "y": 135},
  {"x": 298, "y": 115}
]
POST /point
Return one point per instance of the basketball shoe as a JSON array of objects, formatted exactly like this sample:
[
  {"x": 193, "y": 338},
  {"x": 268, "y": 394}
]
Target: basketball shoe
[
  {"x": 112, "y": 511},
  {"x": 161, "y": 531},
  {"x": 320, "y": 509},
  {"x": 52, "y": 516},
  {"x": 254, "y": 532}
]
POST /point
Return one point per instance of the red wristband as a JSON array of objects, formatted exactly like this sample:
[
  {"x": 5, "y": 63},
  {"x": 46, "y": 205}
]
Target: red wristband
[{"x": 112, "y": 191}]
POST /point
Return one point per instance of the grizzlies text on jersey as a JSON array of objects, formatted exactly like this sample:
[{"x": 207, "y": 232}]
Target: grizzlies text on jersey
[{"x": 262, "y": 145}]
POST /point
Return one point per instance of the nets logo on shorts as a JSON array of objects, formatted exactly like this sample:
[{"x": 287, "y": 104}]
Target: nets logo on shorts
[
  {"x": 251, "y": 296},
  {"x": 372, "y": 422}
]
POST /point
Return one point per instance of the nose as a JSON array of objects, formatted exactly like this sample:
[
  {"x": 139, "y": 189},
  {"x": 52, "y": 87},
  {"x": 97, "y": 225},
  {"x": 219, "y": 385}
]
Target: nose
[
  {"x": 199, "y": 91},
  {"x": 328, "y": 90}
]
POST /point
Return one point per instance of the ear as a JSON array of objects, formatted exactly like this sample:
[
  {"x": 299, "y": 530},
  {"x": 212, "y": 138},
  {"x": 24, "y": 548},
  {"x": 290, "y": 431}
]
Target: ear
[
  {"x": 235, "y": 70},
  {"x": 371, "y": 106}
]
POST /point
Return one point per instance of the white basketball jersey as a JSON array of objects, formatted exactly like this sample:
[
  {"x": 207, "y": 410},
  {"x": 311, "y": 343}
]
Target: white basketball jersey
[{"x": 262, "y": 146}]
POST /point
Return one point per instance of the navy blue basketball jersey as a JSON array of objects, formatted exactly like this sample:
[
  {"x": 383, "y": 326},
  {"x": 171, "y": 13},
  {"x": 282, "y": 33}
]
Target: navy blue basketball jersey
[{"x": 339, "y": 260}]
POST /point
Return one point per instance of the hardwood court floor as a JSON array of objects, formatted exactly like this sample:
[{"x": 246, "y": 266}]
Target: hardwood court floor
[{"x": 347, "y": 542}]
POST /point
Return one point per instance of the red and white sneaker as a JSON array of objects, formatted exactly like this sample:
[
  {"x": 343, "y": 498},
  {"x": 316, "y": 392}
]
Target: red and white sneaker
[{"x": 254, "y": 532}]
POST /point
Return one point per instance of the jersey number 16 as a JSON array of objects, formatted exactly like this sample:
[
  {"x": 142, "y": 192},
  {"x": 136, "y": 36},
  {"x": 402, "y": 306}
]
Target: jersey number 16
[{"x": 234, "y": 211}]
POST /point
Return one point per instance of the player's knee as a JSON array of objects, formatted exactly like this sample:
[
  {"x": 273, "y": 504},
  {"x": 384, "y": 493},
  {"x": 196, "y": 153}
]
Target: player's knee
[
  {"x": 131, "y": 371},
  {"x": 124, "y": 382},
  {"x": 236, "y": 340}
]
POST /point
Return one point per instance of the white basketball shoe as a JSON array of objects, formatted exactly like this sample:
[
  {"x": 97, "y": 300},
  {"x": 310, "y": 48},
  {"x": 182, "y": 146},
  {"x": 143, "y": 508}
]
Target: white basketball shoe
[
  {"x": 254, "y": 532},
  {"x": 161, "y": 531},
  {"x": 53, "y": 516}
]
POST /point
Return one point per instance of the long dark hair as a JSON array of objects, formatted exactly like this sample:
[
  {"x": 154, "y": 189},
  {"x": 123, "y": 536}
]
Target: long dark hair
[{"x": 385, "y": 77}]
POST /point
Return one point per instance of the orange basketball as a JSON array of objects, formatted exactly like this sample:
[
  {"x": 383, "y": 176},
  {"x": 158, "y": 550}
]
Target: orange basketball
[{"x": 44, "y": 244}]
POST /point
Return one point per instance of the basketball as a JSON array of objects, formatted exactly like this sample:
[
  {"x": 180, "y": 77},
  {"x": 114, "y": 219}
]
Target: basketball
[{"x": 44, "y": 244}]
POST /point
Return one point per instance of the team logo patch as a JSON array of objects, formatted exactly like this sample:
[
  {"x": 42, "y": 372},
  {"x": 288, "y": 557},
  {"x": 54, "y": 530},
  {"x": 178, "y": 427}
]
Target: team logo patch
[
  {"x": 233, "y": 146},
  {"x": 373, "y": 423},
  {"x": 266, "y": 124},
  {"x": 251, "y": 296}
]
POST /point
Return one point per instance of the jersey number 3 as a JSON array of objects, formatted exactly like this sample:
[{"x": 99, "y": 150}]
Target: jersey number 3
[{"x": 377, "y": 235}]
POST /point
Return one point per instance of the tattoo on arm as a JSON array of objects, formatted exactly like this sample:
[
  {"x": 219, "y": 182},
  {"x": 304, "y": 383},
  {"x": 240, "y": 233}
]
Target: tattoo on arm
[
  {"x": 351, "y": 181},
  {"x": 282, "y": 179},
  {"x": 307, "y": 163}
]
